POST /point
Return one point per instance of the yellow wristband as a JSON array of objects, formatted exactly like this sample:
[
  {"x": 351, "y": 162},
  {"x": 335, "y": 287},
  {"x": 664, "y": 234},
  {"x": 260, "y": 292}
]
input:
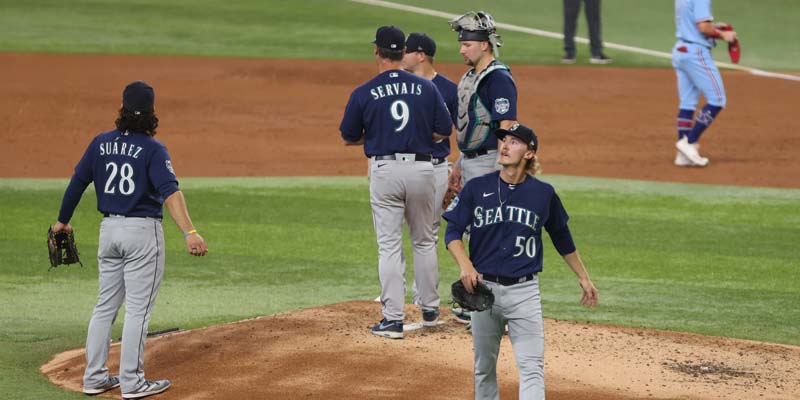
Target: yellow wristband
[{"x": 191, "y": 232}]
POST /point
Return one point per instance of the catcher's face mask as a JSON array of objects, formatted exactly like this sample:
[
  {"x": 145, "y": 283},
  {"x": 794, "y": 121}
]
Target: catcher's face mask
[{"x": 477, "y": 26}]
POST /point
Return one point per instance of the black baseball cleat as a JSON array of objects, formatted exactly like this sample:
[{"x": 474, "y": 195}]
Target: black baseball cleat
[
  {"x": 111, "y": 383},
  {"x": 600, "y": 59},
  {"x": 430, "y": 318},
  {"x": 148, "y": 388},
  {"x": 568, "y": 58},
  {"x": 388, "y": 329}
]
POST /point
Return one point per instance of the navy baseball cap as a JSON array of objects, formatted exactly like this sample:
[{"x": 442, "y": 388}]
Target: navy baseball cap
[
  {"x": 522, "y": 132},
  {"x": 390, "y": 37},
  {"x": 138, "y": 97},
  {"x": 420, "y": 42}
]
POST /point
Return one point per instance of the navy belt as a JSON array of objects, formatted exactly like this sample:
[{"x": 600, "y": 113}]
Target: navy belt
[
  {"x": 110, "y": 215},
  {"x": 417, "y": 157},
  {"x": 479, "y": 152},
  {"x": 507, "y": 281},
  {"x": 437, "y": 161}
]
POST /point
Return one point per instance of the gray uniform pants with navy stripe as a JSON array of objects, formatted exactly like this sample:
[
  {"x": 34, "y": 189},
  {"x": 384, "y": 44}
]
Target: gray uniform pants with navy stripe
[
  {"x": 404, "y": 189},
  {"x": 520, "y": 307},
  {"x": 130, "y": 260},
  {"x": 479, "y": 166}
]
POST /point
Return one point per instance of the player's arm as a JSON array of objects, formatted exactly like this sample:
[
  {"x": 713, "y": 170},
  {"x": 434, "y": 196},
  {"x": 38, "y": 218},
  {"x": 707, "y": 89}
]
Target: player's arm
[
  {"x": 352, "y": 128},
  {"x": 469, "y": 276},
  {"x": 354, "y": 143},
  {"x": 82, "y": 177},
  {"x": 176, "y": 205},
  {"x": 708, "y": 29},
  {"x": 575, "y": 263}
]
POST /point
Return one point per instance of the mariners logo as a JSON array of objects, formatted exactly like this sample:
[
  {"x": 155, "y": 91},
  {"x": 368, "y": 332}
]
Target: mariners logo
[
  {"x": 169, "y": 166},
  {"x": 452, "y": 205},
  {"x": 502, "y": 105}
]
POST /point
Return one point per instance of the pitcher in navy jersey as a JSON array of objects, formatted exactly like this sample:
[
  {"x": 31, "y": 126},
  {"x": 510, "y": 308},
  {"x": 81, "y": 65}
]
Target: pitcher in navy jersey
[
  {"x": 506, "y": 211},
  {"x": 419, "y": 59},
  {"x": 133, "y": 177},
  {"x": 397, "y": 116}
]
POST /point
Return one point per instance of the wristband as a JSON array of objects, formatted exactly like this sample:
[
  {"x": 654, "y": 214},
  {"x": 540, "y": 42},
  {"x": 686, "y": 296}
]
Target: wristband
[{"x": 191, "y": 232}]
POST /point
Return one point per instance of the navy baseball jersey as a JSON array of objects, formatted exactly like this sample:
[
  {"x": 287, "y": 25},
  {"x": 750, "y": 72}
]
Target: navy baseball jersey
[
  {"x": 132, "y": 175},
  {"x": 484, "y": 99},
  {"x": 506, "y": 224},
  {"x": 396, "y": 112},
  {"x": 449, "y": 91}
]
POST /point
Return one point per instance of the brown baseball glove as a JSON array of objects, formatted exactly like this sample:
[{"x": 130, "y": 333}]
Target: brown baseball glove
[{"x": 62, "y": 248}]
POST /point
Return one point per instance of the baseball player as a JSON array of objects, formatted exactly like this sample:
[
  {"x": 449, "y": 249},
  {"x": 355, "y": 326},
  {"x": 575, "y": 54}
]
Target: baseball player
[
  {"x": 487, "y": 100},
  {"x": 506, "y": 212},
  {"x": 133, "y": 177},
  {"x": 419, "y": 58},
  {"x": 397, "y": 116},
  {"x": 696, "y": 72}
]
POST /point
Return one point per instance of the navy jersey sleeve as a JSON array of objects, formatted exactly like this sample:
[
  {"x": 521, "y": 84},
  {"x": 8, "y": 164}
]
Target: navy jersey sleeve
[
  {"x": 502, "y": 96},
  {"x": 556, "y": 226},
  {"x": 459, "y": 214},
  {"x": 443, "y": 122},
  {"x": 161, "y": 173},
  {"x": 352, "y": 127},
  {"x": 81, "y": 178}
]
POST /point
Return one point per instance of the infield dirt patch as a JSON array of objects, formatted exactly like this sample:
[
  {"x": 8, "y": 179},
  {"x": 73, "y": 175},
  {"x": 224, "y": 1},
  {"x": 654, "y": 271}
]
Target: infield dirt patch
[{"x": 254, "y": 117}]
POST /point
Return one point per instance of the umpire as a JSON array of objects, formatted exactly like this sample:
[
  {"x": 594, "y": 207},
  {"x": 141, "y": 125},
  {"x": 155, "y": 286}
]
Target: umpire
[
  {"x": 133, "y": 178},
  {"x": 397, "y": 116}
]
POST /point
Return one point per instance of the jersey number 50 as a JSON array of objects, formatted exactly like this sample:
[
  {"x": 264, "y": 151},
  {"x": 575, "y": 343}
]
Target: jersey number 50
[
  {"x": 526, "y": 246},
  {"x": 126, "y": 183},
  {"x": 400, "y": 112}
]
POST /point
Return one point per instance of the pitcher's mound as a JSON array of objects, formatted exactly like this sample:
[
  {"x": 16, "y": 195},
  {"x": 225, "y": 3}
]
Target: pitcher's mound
[{"x": 328, "y": 353}]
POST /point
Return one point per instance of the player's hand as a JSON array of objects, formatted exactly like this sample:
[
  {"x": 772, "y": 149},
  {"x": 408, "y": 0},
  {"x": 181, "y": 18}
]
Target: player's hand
[
  {"x": 589, "y": 298},
  {"x": 454, "y": 180},
  {"x": 728, "y": 36},
  {"x": 470, "y": 277},
  {"x": 196, "y": 245},
  {"x": 58, "y": 227}
]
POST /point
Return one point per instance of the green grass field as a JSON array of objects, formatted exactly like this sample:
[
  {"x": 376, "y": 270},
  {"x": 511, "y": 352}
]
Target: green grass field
[
  {"x": 338, "y": 29},
  {"x": 706, "y": 259}
]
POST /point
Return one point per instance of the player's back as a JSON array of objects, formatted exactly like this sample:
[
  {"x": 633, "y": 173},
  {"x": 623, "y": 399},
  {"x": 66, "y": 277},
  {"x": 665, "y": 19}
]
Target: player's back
[
  {"x": 399, "y": 113},
  {"x": 687, "y": 14},
  {"x": 128, "y": 169}
]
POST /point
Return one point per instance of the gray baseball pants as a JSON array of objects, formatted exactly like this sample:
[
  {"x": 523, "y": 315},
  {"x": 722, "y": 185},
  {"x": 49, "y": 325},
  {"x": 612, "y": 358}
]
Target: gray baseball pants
[
  {"x": 130, "y": 260},
  {"x": 440, "y": 172},
  {"x": 478, "y": 166},
  {"x": 401, "y": 189},
  {"x": 520, "y": 307}
]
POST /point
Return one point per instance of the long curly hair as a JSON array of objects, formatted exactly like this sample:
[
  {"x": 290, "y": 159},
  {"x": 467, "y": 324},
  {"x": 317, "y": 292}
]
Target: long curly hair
[{"x": 142, "y": 122}]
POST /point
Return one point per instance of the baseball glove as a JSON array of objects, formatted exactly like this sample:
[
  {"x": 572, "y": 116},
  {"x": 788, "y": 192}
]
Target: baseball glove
[
  {"x": 481, "y": 299},
  {"x": 734, "y": 50},
  {"x": 62, "y": 248}
]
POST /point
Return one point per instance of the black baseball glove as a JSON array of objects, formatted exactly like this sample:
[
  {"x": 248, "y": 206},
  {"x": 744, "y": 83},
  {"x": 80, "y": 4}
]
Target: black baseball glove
[
  {"x": 481, "y": 299},
  {"x": 62, "y": 248}
]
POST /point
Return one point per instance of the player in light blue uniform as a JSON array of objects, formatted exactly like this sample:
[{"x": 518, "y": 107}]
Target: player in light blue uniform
[
  {"x": 398, "y": 116},
  {"x": 697, "y": 73},
  {"x": 133, "y": 178},
  {"x": 507, "y": 212}
]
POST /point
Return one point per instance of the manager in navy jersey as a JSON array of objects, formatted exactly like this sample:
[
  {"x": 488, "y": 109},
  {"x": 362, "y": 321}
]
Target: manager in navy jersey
[
  {"x": 397, "y": 116},
  {"x": 133, "y": 177},
  {"x": 419, "y": 59},
  {"x": 506, "y": 211}
]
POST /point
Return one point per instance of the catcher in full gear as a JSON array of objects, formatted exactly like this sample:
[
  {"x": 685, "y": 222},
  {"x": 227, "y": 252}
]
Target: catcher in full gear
[{"x": 487, "y": 101}]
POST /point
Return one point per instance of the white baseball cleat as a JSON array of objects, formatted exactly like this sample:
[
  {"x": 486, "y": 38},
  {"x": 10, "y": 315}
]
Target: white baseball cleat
[{"x": 690, "y": 153}]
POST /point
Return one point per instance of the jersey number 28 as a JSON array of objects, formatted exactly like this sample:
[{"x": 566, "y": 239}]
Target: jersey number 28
[
  {"x": 126, "y": 184},
  {"x": 400, "y": 112}
]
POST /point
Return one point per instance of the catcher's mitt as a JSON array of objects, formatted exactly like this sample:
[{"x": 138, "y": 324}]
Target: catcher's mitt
[
  {"x": 481, "y": 299},
  {"x": 62, "y": 248}
]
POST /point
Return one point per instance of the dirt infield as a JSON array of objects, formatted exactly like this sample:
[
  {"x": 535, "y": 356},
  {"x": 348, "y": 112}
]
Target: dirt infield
[
  {"x": 251, "y": 117},
  {"x": 255, "y": 117},
  {"x": 327, "y": 353}
]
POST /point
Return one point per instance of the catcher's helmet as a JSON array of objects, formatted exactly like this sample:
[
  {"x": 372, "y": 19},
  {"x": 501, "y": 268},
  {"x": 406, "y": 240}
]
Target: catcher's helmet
[{"x": 477, "y": 26}]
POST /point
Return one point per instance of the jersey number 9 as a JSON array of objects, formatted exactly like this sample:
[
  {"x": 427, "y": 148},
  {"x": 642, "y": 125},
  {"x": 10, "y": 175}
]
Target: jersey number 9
[
  {"x": 126, "y": 184},
  {"x": 400, "y": 112}
]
